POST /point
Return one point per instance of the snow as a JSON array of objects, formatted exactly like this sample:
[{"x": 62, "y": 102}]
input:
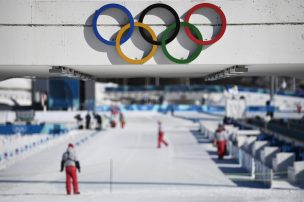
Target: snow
[{"x": 183, "y": 171}]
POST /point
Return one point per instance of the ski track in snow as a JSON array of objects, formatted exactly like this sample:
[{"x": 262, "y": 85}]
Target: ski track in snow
[{"x": 182, "y": 172}]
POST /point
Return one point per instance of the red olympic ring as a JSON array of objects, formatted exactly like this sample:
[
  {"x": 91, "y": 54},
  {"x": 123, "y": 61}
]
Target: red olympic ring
[{"x": 216, "y": 9}]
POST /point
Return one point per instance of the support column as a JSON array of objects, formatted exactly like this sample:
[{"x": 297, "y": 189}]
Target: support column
[
  {"x": 272, "y": 87},
  {"x": 294, "y": 84},
  {"x": 89, "y": 95},
  {"x": 147, "y": 81},
  {"x": 157, "y": 81},
  {"x": 277, "y": 85},
  {"x": 125, "y": 82},
  {"x": 187, "y": 81}
]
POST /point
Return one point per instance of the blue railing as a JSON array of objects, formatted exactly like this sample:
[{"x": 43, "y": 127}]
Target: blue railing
[
  {"x": 30, "y": 129},
  {"x": 168, "y": 108},
  {"x": 198, "y": 88}
]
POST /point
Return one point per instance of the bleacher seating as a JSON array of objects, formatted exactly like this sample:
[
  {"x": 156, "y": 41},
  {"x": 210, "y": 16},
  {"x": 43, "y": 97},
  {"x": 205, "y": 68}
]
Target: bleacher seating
[
  {"x": 267, "y": 154},
  {"x": 296, "y": 173},
  {"x": 257, "y": 147},
  {"x": 282, "y": 161},
  {"x": 196, "y": 88}
]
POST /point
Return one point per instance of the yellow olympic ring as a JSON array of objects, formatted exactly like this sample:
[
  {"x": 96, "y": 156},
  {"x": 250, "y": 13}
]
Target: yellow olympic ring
[{"x": 123, "y": 56}]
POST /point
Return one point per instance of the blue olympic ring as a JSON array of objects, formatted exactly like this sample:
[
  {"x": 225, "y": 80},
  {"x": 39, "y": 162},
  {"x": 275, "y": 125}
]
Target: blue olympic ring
[{"x": 117, "y": 6}]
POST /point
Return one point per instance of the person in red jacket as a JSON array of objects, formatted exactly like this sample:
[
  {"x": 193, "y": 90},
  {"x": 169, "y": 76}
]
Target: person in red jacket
[
  {"x": 71, "y": 163},
  {"x": 220, "y": 141},
  {"x": 160, "y": 136}
]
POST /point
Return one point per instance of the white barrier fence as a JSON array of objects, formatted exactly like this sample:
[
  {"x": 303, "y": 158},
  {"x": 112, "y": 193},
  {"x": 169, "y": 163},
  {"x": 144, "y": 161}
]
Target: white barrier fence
[
  {"x": 263, "y": 173},
  {"x": 234, "y": 151},
  {"x": 247, "y": 162},
  {"x": 207, "y": 133},
  {"x": 257, "y": 169}
]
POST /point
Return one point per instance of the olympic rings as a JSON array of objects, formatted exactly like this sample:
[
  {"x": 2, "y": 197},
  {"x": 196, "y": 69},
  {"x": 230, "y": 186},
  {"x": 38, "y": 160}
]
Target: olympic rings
[
  {"x": 216, "y": 9},
  {"x": 123, "y": 56},
  {"x": 172, "y": 11},
  {"x": 192, "y": 32},
  {"x": 106, "y": 7},
  {"x": 191, "y": 57}
]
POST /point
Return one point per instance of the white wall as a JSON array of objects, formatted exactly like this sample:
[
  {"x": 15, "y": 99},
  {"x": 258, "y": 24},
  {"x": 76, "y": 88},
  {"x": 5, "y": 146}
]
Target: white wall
[{"x": 267, "y": 35}]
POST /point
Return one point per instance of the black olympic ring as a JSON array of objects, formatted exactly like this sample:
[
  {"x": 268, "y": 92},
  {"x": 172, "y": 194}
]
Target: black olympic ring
[{"x": 171, "y": 10}]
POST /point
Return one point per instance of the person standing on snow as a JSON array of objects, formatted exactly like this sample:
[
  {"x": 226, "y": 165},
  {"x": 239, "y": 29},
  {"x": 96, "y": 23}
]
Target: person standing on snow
[
  {"x": 71, "y": 163},
  {"x": 88, "y": 120},
  {"x": 122, "y": 120},
  {"x": 98, "y": 119},
  {"x": 160, "y": 136},
  {"x": 220, "y": 141}
]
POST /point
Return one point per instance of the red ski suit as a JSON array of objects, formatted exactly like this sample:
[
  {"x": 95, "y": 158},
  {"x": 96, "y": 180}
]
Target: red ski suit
[
  {"x": 221, "y": 148},
  {"x": 161, "y": 139},
  {"x": 220, "y": 142},
  {"x": 71, "y": 164},
  {"x": 71, "y": 174}
]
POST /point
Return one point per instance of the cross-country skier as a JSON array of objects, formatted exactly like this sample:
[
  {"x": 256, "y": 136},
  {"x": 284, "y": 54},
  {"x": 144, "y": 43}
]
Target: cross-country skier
[
  {"x": 160, "y": 136},
  {"x": 71, "y": 163}
]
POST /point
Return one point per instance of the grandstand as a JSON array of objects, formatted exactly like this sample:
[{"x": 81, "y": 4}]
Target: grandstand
[
  {"x": 213, "y": 95},
  {"x": 15, "y": 92}
]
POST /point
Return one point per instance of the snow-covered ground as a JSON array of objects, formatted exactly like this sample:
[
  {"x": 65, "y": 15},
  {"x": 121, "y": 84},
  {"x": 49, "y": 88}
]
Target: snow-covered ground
[
  {"x": 14, "y": 148},
  {"x": 186, "y": 170}
]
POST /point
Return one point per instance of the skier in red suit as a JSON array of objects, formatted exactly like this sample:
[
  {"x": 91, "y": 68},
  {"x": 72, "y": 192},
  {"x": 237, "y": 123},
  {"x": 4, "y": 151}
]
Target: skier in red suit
[
  {"x": 71, "y": 163},
  {"x": 160, "y": 136},
  {"x": 220, "y": 141}
]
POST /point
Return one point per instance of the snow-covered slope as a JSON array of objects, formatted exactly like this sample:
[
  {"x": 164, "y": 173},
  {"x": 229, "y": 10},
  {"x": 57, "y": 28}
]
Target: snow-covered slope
[{"x": 183, "y": 171}]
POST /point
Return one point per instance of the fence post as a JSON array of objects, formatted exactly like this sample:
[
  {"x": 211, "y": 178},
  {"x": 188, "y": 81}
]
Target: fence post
[{"x": 111, "y": 174}]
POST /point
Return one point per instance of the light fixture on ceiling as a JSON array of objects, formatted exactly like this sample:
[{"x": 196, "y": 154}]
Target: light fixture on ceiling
[
  {"x": 228, "y": 72},
  {"x": 70, "y": 73}
]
